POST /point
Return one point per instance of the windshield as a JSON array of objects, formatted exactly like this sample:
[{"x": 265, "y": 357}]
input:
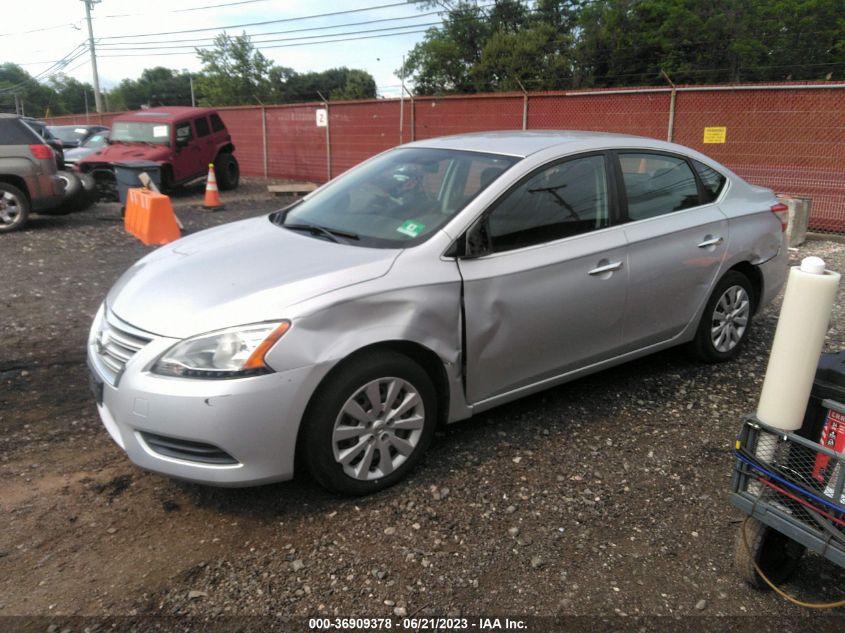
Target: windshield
[
  {"x": 398, "y": 199},
  {"x": 98, "y": 140},
  {"x": 135, "y": 132},
  {"x": 69, "y": 133}
]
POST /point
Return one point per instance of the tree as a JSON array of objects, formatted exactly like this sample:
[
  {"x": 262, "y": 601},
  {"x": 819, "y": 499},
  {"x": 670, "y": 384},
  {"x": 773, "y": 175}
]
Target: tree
[
  {"x": 570, "y": 43},
  {"x": 155, "y": 87},
  {"x": 71, "y": 95},
  {"x": 38, "y": 100},
  {"x": 234, "y": 73}
]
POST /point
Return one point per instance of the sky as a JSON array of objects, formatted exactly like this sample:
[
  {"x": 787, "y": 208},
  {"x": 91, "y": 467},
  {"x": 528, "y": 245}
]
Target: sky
[{"x": 37, "y": 34}]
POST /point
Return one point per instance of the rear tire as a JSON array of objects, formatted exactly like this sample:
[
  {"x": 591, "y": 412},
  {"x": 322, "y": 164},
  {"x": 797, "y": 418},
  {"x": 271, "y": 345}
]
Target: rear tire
[
  {"x": 227, "y": 171},
  {"x": 14, "y": 208},
  {"x": 726, "y": 320},
  {"x": 369, "y": 423}
]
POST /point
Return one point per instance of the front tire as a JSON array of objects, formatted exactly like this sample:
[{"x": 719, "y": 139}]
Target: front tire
[
  {"x": 369, "y": 423},
  {"x": 227, "y": 171},
  {"x": 14, "y": 208},
  {"x": 726, "y": 320}
]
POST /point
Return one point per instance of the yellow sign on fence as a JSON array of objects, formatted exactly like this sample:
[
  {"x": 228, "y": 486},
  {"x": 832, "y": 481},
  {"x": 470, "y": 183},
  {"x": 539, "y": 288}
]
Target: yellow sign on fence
[{"x": 715, "y": 134}]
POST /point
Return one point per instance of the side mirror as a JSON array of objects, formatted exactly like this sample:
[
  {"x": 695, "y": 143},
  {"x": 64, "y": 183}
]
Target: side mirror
[{"x": 182, "y": 142}]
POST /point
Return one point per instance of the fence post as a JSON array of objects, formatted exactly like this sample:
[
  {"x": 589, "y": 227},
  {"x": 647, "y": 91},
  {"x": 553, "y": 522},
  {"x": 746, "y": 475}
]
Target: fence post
[
  {"x": 524, "y": 104},
  {"x": 671, "y": 129},
  {"x": 264, "y": 139},
  {"x": 328, "y": 136}
]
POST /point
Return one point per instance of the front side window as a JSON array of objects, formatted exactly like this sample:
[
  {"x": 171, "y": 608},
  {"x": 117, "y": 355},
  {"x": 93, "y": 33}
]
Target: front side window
[
  {"x": 183, "y": 133},
  {"x": 565, "y": 199},
  {"x": 657, "y": 184},
  {"x": 398, "y": 199},
  {"x": 140, "y": 132}
]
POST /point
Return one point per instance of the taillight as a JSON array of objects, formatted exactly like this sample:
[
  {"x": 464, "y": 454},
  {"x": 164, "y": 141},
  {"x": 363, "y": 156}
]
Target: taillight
[
  {"x": 41, "y": 152},
  {"x": 782, "y": 211}
]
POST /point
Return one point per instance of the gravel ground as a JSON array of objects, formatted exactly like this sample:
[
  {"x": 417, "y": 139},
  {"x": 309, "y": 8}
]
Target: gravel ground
[{"x": 604, "y": 497}]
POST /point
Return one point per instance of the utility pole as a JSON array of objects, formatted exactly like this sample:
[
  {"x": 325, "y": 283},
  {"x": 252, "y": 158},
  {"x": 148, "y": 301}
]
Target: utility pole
[
  {"x": 98, "y": 98},
  {"x": 191, "y": 81}
]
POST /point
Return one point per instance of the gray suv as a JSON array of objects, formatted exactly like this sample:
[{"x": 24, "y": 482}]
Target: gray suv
[{"x": 28, "y": 174}]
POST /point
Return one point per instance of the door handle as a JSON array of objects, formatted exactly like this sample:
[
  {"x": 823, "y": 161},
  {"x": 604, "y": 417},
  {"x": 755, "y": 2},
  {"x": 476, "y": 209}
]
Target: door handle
[
  {"x": 605, "y": 268},
  {"x": 711, "y": 241}
]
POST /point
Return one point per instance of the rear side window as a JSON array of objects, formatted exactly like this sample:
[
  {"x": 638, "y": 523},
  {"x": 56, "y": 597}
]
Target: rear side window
[
  {"x": 13, "y": 132},
  {"x": 712, "y": 180},
  {"x": 657, "y": 184},
  {"x": 201, "y": 125},
  {"x": 216, "y": 123}
]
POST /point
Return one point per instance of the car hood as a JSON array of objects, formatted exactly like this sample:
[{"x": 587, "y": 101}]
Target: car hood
[
  {"x": 117, "y": 151},
  {"x": 78, "y": 153},
  {"x": 240, "y": 273}
]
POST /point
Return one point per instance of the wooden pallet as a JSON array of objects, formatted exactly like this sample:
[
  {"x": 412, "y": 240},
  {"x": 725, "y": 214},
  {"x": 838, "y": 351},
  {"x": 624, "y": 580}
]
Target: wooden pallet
[{"x": 292, "y": 188}]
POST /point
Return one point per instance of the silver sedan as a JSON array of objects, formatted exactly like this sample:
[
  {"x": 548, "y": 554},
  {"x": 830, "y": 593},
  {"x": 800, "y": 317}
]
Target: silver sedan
[{"x": 432, "y": 282}]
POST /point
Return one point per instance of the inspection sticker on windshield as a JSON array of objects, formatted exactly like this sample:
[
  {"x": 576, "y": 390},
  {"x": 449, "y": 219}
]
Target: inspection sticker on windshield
[
  {"x": 411, "y": 228},
  {"x": 159, "y": 131}
]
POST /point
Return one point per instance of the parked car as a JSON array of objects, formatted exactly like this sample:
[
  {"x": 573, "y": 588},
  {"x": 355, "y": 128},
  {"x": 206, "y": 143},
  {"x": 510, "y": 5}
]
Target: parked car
[
  {"x": 73, "y": 136},
  {"x": 29, "y": 179},
  {"x": 432, "y": 282},
  {"x": 183, "y": 141},
  {"x": 88, "y": 147},
  {"x": 43, "y": 130}
]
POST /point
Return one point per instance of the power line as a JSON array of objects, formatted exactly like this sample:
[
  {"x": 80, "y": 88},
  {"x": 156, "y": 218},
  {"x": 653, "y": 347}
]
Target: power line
[
  {"x": 57, "y": 66},
  {"x": 348, "y": 39},
  {"x": 288, "y": 39},
  {"x": 278, "y": 21},
  {"x": 309, "y": 29}
]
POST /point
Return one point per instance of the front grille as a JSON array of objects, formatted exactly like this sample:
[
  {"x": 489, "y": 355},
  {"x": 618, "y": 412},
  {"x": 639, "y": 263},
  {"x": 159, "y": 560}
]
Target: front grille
[
  {"x": 114, "y": 347},
  {"x": 187, "y": 450}
]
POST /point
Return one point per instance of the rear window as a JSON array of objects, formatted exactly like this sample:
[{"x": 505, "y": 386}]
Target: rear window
[
  {"x": 13, "y": 132},
  {"x": 216, "y": 123}
]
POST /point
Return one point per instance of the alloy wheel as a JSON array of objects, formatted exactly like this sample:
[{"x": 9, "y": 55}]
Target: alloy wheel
[
  {"x": 10, "y": 208},
  {"x": 730, "y": 318},
  {"x": 378, "y": 428}
]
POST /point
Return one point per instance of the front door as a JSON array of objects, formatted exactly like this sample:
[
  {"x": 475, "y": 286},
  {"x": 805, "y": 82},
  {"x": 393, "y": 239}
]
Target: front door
[{"x": 550, "y": 295}]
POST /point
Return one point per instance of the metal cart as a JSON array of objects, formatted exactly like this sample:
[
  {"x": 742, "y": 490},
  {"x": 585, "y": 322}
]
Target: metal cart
[{"x": 791, "y": 487}]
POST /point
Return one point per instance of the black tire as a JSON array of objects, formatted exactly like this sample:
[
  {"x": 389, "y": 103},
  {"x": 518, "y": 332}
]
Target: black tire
[
  {"x": 71, "y": 182},
  {"x": 733, "y": 291},
  {"x": 88, "y": 182},
  {"x": 227, "y": 171},
  {"x": 395, "y": 376},
  {"x": 777, "y": 555},
  {"x": 14, "y": 208}
]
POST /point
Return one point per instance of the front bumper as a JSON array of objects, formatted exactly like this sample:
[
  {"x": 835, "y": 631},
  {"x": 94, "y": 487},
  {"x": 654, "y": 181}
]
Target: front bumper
[{"x": 252, "y": 421}]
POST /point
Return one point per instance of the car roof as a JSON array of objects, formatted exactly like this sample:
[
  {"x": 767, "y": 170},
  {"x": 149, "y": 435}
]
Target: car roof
[
  {"x": 165, "y": 114},
  {"x": 523, "y": 143}
]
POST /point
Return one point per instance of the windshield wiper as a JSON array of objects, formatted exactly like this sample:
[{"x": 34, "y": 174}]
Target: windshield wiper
[{"x": 316, "y": 229}]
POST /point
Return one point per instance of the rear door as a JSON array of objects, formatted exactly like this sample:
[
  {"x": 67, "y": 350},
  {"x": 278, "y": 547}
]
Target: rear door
[
  {"x": 677, "y": 242},
  {"x": 549, "y": 297}
]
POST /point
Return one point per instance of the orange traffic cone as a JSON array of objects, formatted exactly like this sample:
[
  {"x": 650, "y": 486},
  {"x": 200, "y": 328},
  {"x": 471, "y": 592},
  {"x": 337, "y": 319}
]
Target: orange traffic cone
[{"x": 212, "y": 196}]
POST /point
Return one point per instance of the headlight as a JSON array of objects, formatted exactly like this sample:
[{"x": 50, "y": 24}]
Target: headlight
[{"x": 231, "y": 353}]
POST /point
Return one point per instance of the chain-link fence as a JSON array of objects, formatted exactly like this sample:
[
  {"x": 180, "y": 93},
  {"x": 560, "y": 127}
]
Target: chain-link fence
[{"x": 789, "y": 137}]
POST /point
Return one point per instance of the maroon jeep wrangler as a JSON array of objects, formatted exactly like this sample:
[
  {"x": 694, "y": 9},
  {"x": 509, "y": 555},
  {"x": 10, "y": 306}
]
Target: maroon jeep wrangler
[{"x": 183, "y": 141}]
